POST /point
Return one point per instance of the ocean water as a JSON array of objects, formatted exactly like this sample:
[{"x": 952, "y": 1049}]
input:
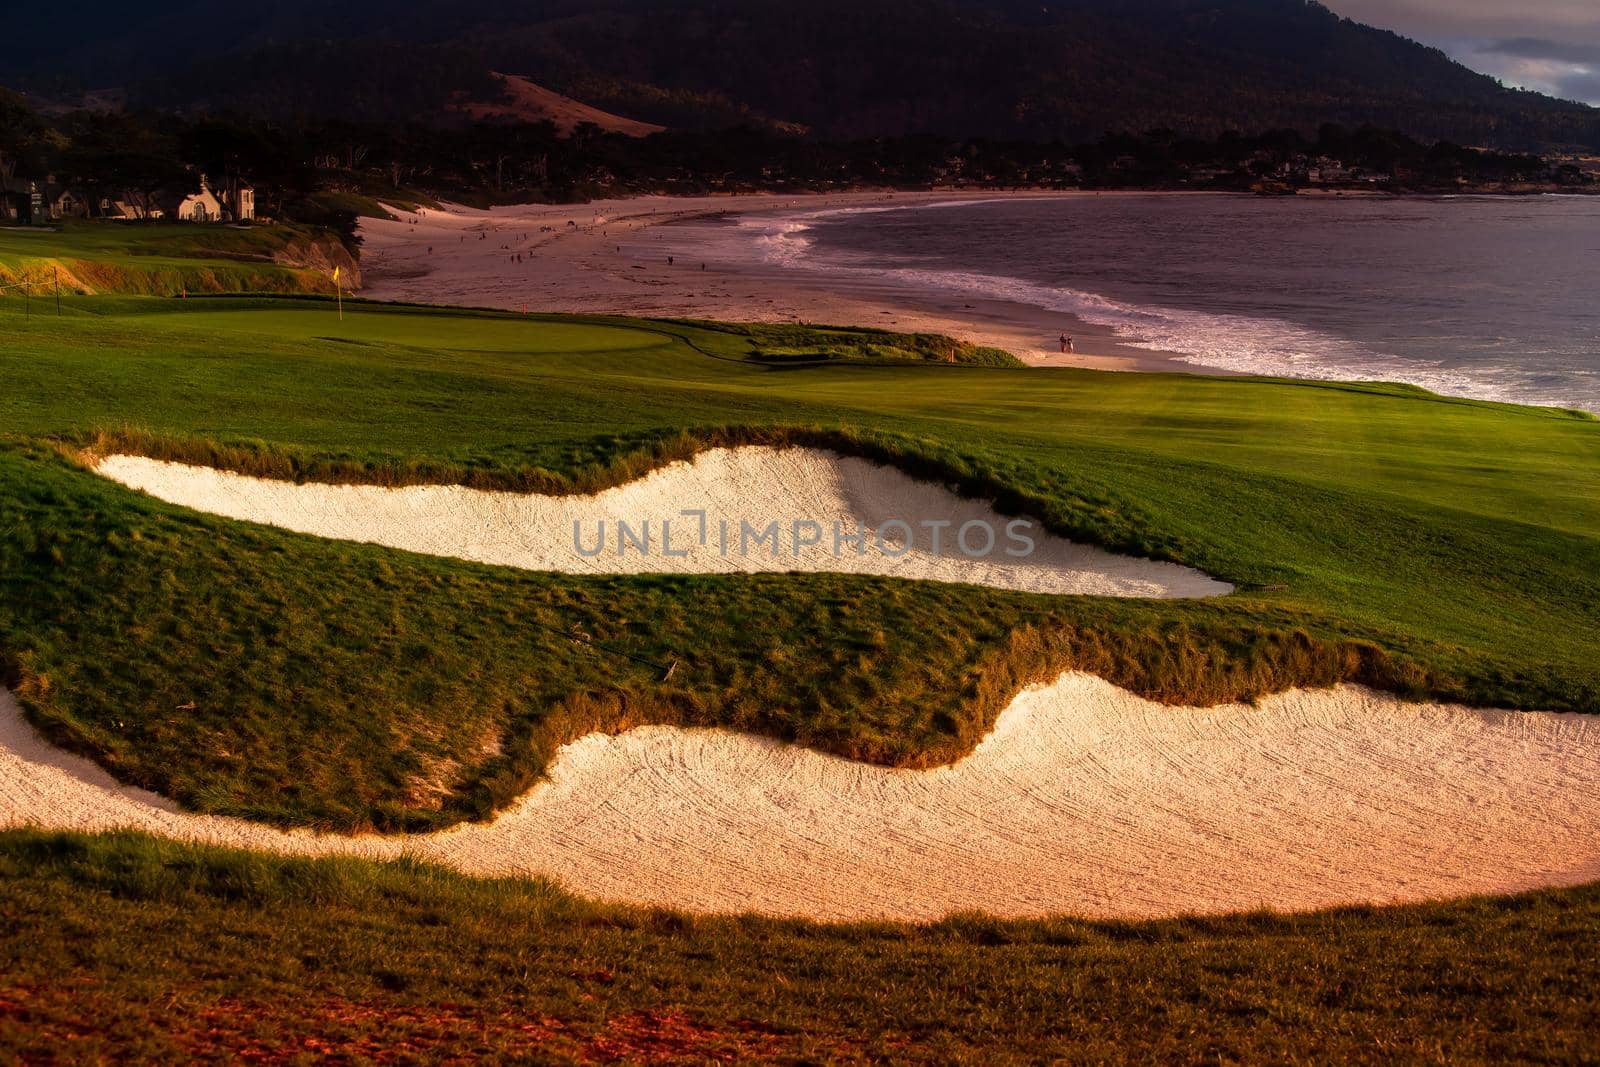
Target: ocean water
[{"x": 1489, "y": 297}]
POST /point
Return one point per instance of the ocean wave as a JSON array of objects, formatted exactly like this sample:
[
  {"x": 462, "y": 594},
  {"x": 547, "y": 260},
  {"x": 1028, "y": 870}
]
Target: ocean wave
[
  {"x": 783, "y": 239},
  {"x": 1237, "y": 343},
  {"x": 1240, "y": 344},
  {"x": 783, "y": 244}
]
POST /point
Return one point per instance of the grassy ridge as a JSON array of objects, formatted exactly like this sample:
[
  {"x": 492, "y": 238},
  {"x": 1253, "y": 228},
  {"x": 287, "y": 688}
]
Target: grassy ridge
[
  {"x": 1377, "y": 533},
  {"x": 166, "y": 259},
  {"x": 251, "y": 672},
  {"x": 125, "y": 948},
  {"x": 786, "y": 345}
]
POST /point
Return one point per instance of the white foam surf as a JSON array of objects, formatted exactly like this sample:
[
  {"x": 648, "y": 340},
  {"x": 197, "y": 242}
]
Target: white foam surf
[{"x": 1240, "y": 344}]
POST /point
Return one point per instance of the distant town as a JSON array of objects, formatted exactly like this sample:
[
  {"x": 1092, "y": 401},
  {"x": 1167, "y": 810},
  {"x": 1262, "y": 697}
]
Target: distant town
[
  {"x": 31, "y": 202},
  {"x": 122, "y": 166}
]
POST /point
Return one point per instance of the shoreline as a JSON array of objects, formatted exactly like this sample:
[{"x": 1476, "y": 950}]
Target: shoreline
[{"x": 612, "y": 257}]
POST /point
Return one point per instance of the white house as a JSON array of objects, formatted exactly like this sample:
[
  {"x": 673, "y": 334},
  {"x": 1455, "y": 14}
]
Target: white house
[
  {"x": 203, "y": 206},
  {"x": 240, "y": 200},
  {"x": 236, "y": 203}
]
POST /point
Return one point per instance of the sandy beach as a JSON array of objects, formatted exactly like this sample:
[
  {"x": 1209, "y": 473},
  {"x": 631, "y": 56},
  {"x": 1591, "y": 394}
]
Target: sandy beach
[{"x": 644, "y": 257}]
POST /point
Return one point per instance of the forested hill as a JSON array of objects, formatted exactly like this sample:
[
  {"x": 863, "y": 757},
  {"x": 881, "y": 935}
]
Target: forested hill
[{"x": 1038, "y": 69}]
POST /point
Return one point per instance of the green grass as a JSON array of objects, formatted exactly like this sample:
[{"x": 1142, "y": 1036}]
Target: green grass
[
  {"x": 121, "y": 948},
  {"x": 797, "y": 345},
  {"x": 363, "y": 205},
  {"x": 156, "y": 259},
  {"x": 1377, "y": 534}
]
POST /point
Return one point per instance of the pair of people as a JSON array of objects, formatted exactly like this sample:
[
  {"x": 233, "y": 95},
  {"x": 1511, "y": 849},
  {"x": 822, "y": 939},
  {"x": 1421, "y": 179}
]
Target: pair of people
[{"x": 1067, "y": 344}]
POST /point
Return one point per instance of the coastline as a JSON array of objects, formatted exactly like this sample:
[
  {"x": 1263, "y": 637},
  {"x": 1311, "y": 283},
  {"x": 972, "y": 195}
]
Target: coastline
[{"x": 612, "y": 257}]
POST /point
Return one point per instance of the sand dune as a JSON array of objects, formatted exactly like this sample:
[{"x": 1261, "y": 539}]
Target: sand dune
[
  {"x": 814, "y": 498},
  {"x": 1084, "y": 800}
]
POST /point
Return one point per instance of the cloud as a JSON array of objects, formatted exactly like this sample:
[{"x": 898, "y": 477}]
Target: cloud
[
  {"x": 1580, "y": 85},
  {"x": 1483, "y": 19},
  {"x": 1550, "y": 46},
  {"x": 1539, "y": 48},
  {"x": 1555, "y": 77}
]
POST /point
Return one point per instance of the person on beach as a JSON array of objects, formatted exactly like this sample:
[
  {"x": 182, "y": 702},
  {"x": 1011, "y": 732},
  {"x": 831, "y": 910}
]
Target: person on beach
[
  {"x": 1063, "y": 343},
  {"x": 1071, "y": 347}
]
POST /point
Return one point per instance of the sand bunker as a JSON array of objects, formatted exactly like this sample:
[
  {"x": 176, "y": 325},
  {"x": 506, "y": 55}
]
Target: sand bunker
[
  {"x": 1085, "y": 800},
  {"x": 729, "y": 511}
]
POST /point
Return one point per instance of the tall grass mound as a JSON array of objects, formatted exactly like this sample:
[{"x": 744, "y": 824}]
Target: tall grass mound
[
  {"x": 170, "y": 259},
  {"x": 798, "y": 345}
]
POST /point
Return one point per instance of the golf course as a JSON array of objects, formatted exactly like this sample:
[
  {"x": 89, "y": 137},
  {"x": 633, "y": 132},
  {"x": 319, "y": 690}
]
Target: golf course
[
  {"x": 282, "y": 662},
  {"x": 164, "y": 260}
]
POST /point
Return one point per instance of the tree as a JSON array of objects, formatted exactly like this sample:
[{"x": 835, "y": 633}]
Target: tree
[{"x": 26, "y": 140}]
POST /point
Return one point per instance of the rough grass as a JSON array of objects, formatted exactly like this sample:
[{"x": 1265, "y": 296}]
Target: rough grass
[
  {"x": 1377, "y": 534},
  {"x": 161, "y": 259},
  {"x": 796, "y": 345},
  {"x": 252, "y": 672},
  {"x": 371, "y": 203},
  {"x": 128, "y": 949}
]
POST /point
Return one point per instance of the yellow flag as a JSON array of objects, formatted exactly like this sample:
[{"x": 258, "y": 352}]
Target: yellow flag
[{"x": 336, "y": 273}]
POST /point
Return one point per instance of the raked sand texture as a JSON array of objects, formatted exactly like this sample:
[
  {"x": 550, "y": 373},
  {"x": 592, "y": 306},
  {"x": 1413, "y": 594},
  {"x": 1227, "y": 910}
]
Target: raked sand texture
[
  {"x": 820, "y": 501},
  {"x": 1085, "y": 800}
]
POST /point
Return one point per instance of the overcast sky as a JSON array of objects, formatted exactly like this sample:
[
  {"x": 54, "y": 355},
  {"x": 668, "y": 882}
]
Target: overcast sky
[{"x": 1549, "y": 45}]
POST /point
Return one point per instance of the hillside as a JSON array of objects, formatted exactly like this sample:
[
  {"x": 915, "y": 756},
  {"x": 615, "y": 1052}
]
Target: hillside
[
  {"x": 841, "y": 68},
  {"x": 522, "y": 100}
]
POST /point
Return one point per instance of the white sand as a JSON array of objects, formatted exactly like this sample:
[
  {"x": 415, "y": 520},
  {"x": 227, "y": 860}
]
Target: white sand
[
  {"x": 754, "y": 486},
  {"x": 1085, "y": 800}
]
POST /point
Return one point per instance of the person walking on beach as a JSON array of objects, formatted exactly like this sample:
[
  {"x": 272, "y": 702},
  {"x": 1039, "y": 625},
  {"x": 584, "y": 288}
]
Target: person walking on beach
[
  {"x": 1063, "y": 343},
  {"x": 1070, "y": 346}
]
